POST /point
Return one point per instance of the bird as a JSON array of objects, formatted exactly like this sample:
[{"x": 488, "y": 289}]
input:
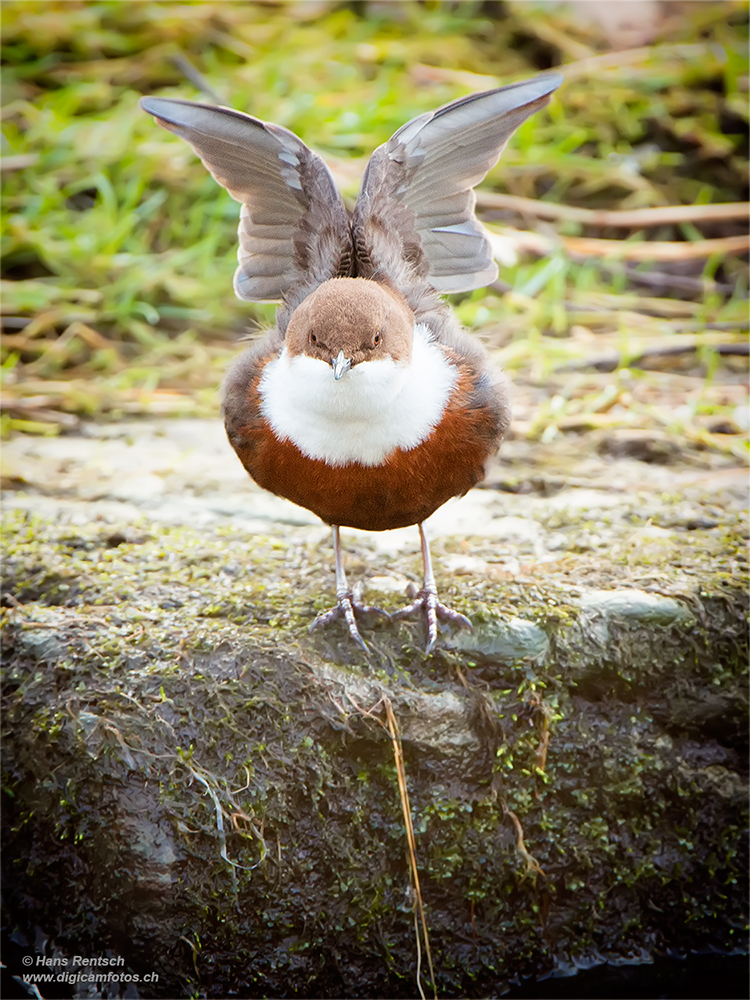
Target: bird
[{"x": 366, "y": 403}]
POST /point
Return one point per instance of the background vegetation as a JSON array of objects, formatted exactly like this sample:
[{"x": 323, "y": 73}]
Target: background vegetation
[{"x": 118, "y": 248}]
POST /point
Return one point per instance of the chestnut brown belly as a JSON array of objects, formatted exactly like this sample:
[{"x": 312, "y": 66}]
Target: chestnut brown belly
[{"x": 405, "y": 490}]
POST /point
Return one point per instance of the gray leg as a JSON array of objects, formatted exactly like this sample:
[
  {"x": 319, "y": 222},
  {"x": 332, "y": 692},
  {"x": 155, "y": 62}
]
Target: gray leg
[
  {"x": 348, "y": 603},
  {"x": 428, "y": 600}
]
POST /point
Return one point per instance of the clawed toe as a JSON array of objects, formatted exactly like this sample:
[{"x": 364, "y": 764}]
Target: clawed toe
[
  {"x": 355, "y": 599},
  {"x": 349, "y": 601},
  {"x": 349, "y": 606},
  {"x": 427, "y": 599}
]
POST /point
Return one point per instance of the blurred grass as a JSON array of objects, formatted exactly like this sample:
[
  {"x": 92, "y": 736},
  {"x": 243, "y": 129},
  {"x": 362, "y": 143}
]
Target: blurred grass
[{"x": 118, "y": 248}]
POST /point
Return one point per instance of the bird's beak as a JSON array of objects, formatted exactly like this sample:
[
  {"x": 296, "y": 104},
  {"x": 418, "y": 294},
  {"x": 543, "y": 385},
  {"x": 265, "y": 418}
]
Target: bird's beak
[{"x": 340, "y": 365}]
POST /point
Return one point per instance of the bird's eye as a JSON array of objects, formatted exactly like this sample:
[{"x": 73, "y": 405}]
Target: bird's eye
[
  {"x": 313, "y": 338},
  {"x": 377, "y": 338}
]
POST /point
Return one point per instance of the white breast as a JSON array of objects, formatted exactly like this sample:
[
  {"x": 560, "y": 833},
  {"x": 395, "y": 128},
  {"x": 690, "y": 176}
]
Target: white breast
[{"x": 374, "y": 409}]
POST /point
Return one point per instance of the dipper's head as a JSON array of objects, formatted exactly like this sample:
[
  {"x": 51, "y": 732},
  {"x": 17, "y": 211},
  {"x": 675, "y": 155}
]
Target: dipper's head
[{"x": 348, "y": 321}]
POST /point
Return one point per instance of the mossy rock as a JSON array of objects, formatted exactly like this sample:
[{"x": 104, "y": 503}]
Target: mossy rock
[{"x": 198, "y": 785}]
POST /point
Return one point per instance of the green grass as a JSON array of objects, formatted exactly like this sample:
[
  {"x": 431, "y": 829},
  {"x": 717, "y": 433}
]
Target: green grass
[{"x": 119, "y": 249}]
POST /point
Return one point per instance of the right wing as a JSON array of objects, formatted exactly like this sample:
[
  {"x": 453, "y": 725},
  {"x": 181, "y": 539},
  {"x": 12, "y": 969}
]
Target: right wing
[
  {"x": 294, "y": 231},
  {"x": 415, "y": 212}
]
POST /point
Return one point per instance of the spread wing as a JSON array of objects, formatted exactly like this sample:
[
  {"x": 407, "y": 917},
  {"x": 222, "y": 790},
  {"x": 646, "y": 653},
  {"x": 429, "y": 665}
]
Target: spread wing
[
  {"x": 415, "y": 211},
  {"x": 294, "y": 231}
]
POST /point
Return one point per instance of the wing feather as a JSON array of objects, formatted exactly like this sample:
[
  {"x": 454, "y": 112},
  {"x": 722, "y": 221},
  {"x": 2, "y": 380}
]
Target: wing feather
[
  {"x": 415, "y": 213},
  {"x": 294, "y": 232}
]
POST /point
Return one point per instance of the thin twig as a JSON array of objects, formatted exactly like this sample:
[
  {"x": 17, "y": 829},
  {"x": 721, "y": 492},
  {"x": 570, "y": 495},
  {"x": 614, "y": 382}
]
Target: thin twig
[
  {"x": 398, "y": 754},
  {"x": 662, "y": 279},
  {"x": 612, "y": 360},
  {"x": 591, "y": 65},
  {"x": 198, "y": 80},
  {"x": 636, "y": 218},
  {"x": 220, "y": 823},
  {"x": 19, "y": 162},
  {"x": 531, "y": 863},
  {"x": 391, "y": 727},
  {"x": 419, "y": 955},
  {"x": 656, "y": 249},
  {"x": 577, "y": 246}
]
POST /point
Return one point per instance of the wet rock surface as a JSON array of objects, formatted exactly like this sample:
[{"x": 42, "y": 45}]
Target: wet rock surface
[{"x": 199, "y": 785}]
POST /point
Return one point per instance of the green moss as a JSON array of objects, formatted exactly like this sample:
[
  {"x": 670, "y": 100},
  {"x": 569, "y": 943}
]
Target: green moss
[{"x": 179, "y": 687}]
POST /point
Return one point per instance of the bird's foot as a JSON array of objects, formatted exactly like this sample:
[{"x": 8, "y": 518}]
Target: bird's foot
[
  {"x": 427, "y": 599},
  {"x": 349, "y": 605}
]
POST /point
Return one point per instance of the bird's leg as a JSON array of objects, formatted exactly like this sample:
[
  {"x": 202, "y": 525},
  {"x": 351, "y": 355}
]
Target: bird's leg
[
  {"x": 427, "y": 598},
  {"x": 348, "y": 601}
]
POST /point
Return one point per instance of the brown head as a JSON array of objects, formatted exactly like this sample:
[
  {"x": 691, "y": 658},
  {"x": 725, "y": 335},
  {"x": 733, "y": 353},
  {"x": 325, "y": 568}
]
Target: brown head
[{"x": 350, "y": 320}]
